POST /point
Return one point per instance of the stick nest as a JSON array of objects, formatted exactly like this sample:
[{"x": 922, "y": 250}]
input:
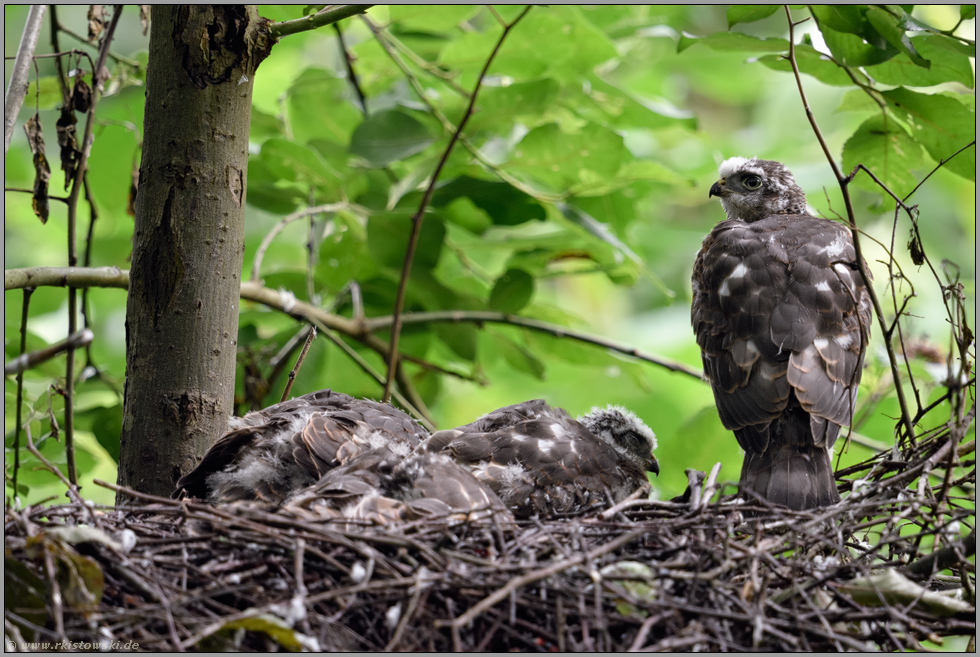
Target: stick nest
[{"x": 888, "y": 568}]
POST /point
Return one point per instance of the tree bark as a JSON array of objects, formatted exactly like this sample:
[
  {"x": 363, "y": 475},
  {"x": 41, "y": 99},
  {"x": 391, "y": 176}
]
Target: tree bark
[{"x": 182, "y": 309}]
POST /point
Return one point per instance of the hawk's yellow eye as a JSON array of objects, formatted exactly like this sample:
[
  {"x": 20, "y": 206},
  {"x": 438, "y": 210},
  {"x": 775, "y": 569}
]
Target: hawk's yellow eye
[{"x": 753, "y": 182}]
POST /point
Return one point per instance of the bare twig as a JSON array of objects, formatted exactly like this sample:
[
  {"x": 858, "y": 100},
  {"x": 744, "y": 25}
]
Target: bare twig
[
  {"x": 299, "y": 363},
  {"x": 282, "y": 223},
  {"x": 20, "y": 383},
  {"x": 420, "y": 214},
  {"x": 26, "y": 361},
  {"x": 481, "y": 316},
  {"x": 17, "y": 87},
  {"x": 349, "y": 63},
  {"x": 360, "y": 330}
]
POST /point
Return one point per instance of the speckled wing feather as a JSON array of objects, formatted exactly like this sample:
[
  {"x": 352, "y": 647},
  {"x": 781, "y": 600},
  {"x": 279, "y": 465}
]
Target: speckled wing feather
[
  {"x": 270, "y": 453},
  {"x": 539, "y": 460},
  {"x": 379, "y": 487},
  {"x": 781, "y": 316}
]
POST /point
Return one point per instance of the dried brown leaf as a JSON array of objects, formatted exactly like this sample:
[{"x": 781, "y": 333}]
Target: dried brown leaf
[{"x": 42, "y": 172}]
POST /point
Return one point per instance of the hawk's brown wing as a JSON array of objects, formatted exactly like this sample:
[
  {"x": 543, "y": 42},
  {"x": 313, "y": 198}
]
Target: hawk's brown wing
[
  {"x": 543, "y": 466},
  {"x": 782, "y": 318},
  {"x": 282, "y": 448},
  {"x": 379, "y": 487}
]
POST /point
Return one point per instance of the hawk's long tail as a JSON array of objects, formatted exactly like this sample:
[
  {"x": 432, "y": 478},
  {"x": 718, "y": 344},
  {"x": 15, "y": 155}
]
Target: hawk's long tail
[{"x": 793, "y": 471}]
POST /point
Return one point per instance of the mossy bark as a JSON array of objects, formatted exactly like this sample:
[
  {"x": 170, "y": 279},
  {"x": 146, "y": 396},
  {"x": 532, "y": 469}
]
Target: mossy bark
[{"x": 182, "y": 311}]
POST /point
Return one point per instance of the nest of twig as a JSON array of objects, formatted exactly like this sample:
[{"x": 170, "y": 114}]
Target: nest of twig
[{"x": 888, "y": 568}]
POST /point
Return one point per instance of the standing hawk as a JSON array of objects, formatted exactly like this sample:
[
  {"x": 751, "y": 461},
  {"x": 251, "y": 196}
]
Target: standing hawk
[
  {"x": 269, "y": 454},
  {"x": 540, "y": 461},
  {"x": 782, "y": 317}
]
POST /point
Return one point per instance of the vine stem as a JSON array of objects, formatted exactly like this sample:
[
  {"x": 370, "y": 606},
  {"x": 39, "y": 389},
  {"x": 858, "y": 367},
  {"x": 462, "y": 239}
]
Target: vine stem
[
  {"x": 417, "y": 218},
  {"x": 843, "y": 182}
]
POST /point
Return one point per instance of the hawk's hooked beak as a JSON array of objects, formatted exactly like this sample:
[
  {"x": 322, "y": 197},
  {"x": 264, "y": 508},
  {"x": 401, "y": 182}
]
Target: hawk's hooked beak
[
  {"x": 718, "y": 189},
  {"x": 652, "y": 465}
]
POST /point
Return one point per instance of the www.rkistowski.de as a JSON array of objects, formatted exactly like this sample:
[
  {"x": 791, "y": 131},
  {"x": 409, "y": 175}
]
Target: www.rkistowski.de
[{"x": 74, "y": 645}]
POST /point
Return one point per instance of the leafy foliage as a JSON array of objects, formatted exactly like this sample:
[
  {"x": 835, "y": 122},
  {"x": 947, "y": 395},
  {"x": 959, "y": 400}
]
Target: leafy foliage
[{"x": 575, "y": 196}]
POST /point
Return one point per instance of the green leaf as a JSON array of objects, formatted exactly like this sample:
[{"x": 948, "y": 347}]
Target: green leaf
[
  {"x": 265, "y": 191},
  {"x": 968, "y": 12},
  {"x": 344, "y": 256},
  {"x": 518, "y": 357},
  {"x": 462, "y": 339},
  {"x": 887, "y": 26},
  {"x": 297, "y": 163},
  {"x": 948, "y": 65},
  {"x": 749, "y": 13},
  {"x": 888, "y": 151},
  {"x": 512, "y": 291},
  {"x": 387, "y": 240},
  {"x": 526, "y": 101},
  {"x": 556, "y": 159},
  {"x": 264, "y": 125},
  {"x": 389, "y": 136},
  {"x": 430, "y": 18},
  {"x": 320, "y": 105},
  {"x": 44, "y": 93},
  {"x": 812, "y": 62},
  {"x": 463, "y": 212},
  {"x": 558, "y": 42},
  {"x": 733, "y": 41},
  {"x": 505, "y": 204},
  {"x": 598, "y": 229},
  {"x": 840, "y": 18},
  {"x": 857, "y": 100},
  {"x": 940, "y": 123}
]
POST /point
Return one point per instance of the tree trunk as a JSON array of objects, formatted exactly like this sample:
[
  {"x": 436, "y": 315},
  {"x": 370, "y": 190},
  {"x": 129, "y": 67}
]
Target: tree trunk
[{"x": 182, "y": 310}]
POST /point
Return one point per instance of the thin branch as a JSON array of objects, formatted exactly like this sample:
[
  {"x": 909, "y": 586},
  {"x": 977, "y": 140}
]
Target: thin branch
[
  {"x": 351, "y": 75},
  {"x": 937, "y": 168},
  {"x": 98, "y": 84},
  {"x": 382, "y": 36},
  {"x": 360, "y": 329},
  {"x": 282, "y": 223},
  {"x": 479, "y": 316},
  {"x": 299, "y": 363},
  {"x": 426, "y": 198},
  {"x": 326, "y": 16},
  {"x": 17, "y": 87},
  {"x": 28, "y": 291},
  {"x": 862, "y": 266},
  {"x": 78, "y": 37},
  {"x": 26, "y": 361}
]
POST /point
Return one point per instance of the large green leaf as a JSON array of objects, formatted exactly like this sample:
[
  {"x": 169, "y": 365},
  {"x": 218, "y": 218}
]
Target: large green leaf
[
  {"x": 430, "y": 18},
  {"x": 812, "y": 62},
  {"x": 556, "y": 159},
  {"x": 882, "y": 145},
  {"x": 887, "y": 25},
  {"x": 387, "y": 240},
  {"x": 749, "y": 13},
  {"x": 504, "y": 204},
  {"x": 942, "y": 124},
  {"x": 293, "y": 162},
  {"x": 389, "y": 136},
  {"x": 733, "y": 41},
  {"x": 320, "y": 104},
  {"x": 851, "y": 38},
  {"x": 512, "y": 291},
  {"x": 948, "y": 64}
]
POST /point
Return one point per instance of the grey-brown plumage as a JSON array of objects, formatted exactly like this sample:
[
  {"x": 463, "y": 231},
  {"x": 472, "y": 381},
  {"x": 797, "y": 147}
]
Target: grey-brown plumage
[
  {"x": 542, "y": 462},
  {"x": 379, "y": 487},
  {"x": 269, "y": 454},
  {"x": 782, "y": 317}
]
